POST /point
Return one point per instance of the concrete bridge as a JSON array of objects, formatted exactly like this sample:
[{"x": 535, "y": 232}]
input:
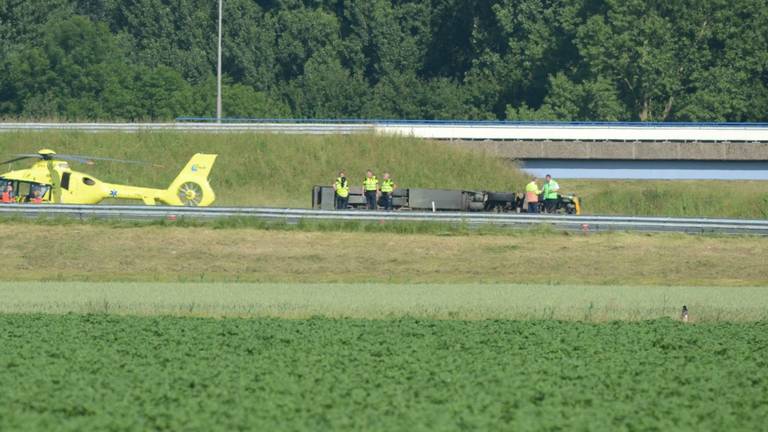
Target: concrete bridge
[{"x": 620, "y": 150}]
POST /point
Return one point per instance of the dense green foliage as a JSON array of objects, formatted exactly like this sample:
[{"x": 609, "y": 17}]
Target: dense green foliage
[
  {"x": 86, "y": 372},
  {"x": 439, "y": 59}
]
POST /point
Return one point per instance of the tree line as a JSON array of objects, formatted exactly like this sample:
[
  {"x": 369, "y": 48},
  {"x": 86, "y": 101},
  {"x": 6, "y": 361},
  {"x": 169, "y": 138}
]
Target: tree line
[{"x": 634, "y": 60}]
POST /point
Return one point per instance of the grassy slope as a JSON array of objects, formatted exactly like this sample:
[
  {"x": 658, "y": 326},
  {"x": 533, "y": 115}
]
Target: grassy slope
[
  {"x": 387, "y": 301},
  {"x": 739, "y": 199},
  {"x": 104, "y": 253},
  {"x": 279, "y": 170},
  {"x": 275, "y": 170}
]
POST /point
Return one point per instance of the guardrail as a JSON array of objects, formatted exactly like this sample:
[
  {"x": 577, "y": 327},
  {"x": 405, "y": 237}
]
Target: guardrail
[
  {"x": 295, "y": 128},
  {"x": 444, "y": 130},
  {"x": 571, "y": 223}
]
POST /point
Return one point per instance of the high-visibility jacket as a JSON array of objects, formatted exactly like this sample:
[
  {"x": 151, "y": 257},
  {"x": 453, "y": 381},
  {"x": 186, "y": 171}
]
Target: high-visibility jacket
[
  {"x": 6, "y": 198},
  {"x": 387, "y": 185},
  {"x": 550, "y": 190},
  {"x": 36, "y": 200},
  {"x": 342, "y": 187},
  {"x": 532, "y": 192},
  {"x": 370, "y": 184}
]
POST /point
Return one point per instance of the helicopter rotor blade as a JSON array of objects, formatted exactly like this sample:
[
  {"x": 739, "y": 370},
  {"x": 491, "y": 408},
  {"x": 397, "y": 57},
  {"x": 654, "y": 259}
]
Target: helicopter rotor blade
[
  {"x": 73, "y": 158},
  {"x": 88, "y": 160},
  {"x": 93, "y": 158},
  {"x": 21, "y": 157}
]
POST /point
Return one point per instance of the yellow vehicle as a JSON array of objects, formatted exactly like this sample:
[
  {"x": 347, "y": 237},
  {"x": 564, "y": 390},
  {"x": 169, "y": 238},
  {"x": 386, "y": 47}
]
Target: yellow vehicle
[{"x": 52, "y": 180}]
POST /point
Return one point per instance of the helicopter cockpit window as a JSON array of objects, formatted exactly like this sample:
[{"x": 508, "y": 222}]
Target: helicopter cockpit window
[
  {"x": 39, "y": 190},
  {"x": 3, "y": 189},
  {"x": 27, "y": 192}
]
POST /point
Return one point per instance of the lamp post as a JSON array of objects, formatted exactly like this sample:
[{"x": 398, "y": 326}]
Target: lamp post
[{"x": 218, "y": 72}]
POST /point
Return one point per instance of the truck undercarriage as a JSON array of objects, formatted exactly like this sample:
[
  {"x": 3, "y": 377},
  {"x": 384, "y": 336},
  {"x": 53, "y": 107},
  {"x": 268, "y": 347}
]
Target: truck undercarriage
[{"x": 323, "y": 197}]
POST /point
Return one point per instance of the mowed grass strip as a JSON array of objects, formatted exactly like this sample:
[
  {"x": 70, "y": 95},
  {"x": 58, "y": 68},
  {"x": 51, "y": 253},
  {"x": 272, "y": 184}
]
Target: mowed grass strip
[
  {"x": 166, "y": 254},
  {"x": 387, "y": 301}
]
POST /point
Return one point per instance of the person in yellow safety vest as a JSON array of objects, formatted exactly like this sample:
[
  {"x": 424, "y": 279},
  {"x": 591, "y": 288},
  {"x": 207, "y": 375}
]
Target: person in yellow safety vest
[
  {"x": 387, "y": 189},
  {"x": 341, "y": 186},
  {"x": 371, "y": 189},
  {"x": 532, "y": 195},
  {"x": 550, "y": 192}
]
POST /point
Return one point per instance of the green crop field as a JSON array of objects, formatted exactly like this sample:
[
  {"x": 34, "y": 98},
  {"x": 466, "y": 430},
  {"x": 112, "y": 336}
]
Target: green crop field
[
  {"x": 105, "y": 372},
  {"x": 280, "y": 170},
  {"x": 81, "y": 351}
]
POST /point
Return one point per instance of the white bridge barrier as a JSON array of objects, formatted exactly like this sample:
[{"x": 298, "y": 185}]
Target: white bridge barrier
[
  {"x": 521, "y": 132},
  {"x": 498, "y": 131}
]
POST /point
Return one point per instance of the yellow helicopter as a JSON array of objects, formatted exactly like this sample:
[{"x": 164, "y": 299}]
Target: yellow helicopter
[{"x": 51, "y": 180}]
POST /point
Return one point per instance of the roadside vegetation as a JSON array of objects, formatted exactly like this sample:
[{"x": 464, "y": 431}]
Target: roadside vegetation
[
  {"x": 673, "y": 198},
  {"x": 280, "y": 170},
  {"x": 274, "y": 170}
]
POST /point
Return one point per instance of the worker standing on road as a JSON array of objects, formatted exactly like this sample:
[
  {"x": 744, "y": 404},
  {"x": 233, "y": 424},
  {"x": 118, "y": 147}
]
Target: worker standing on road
[
  {"x": 387, "y": 189},
  {"x": 550, "y": 192},
  {"x": 371, "y": 189},
  {"x": 532, "y": 195},
  {"x": 341, "y": 186}
]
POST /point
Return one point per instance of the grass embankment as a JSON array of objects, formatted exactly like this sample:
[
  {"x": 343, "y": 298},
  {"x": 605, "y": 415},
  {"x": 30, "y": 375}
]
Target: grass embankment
[
  {"x": 273, "y": 170},
  {"x": 674, "y": 198},
  {"x": 387, "y": 301},
  {"x": 280, "y": 170},
  {"x": 167, "y": 254}
]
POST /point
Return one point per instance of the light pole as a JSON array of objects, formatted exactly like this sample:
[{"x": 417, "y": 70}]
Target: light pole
[{"x": 218, "y": 72}]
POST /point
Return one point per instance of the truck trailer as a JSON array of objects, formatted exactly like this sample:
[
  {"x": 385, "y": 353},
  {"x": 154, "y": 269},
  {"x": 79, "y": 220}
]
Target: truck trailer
[{"x": 323, "y": 198}]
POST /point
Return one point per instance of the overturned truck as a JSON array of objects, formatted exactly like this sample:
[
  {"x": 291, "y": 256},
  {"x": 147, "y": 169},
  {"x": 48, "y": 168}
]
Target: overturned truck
[{"x": 323, "y": 197}]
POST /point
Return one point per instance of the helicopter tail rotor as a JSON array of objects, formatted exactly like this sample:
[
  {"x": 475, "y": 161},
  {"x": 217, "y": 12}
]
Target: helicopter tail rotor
[
  {"x": 191, "y": 187},
  {"x": 191, "y": 194}
]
